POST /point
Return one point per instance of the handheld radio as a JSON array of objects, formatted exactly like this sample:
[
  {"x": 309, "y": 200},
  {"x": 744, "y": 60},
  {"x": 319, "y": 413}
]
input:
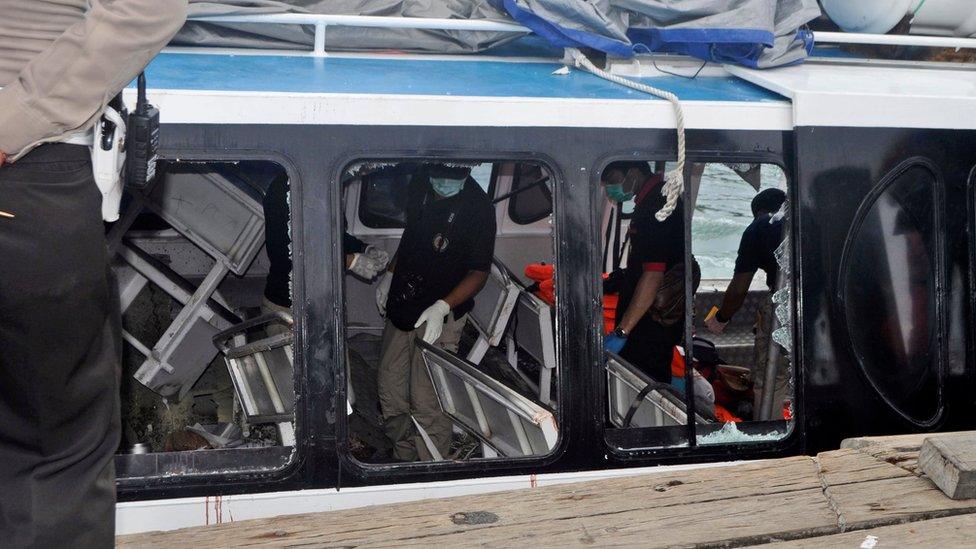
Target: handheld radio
[{"x": 142, "y": 146}]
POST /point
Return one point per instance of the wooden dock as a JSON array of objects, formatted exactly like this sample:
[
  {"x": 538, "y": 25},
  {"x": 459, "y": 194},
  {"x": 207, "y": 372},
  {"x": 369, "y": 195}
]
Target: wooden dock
[{"x": 868, "y": 494}]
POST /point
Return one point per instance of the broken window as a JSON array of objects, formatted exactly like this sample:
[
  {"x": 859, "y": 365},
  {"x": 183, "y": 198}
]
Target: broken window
[
  {"x": 450, "y": 331},
  {"x": 741, "y": 313},
  {"x": 202, "y": 262}
]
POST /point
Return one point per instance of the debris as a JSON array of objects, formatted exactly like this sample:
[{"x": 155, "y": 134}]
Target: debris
[
  {"x": 561, "y": 71},
  {"x": 869, "y": 542}
]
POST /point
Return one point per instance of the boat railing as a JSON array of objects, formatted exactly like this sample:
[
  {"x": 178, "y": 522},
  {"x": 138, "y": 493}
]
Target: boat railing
[{"x": 322, "y": 22}]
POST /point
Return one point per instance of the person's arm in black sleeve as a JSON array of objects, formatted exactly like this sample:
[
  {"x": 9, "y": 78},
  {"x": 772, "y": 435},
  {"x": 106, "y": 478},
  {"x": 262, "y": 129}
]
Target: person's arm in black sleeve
[
  {"x": 746, "y": 265},
  {"x": 478, "y": 262}
]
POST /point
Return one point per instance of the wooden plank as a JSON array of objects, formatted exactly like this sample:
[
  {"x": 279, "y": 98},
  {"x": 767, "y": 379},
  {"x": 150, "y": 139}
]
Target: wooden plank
[
  {"x": 950, "y": 462},
  {"x": 958, "y": 531},
  {"x": 785, "y": 499},
  {"x": 892, "y": 500},
  {"x": 525, "y": 509},
  {"x": 850, "y": 466},
  {"x": 787, "y": 515}
]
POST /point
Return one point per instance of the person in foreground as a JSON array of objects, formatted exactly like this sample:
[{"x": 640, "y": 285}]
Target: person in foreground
[
  {"x": 61, "y": 61},
  {"x": 442, "y": 262}
]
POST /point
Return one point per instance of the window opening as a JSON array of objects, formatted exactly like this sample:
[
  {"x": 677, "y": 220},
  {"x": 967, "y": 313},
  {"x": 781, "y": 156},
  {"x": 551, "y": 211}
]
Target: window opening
[
  {"x": 208, "y": 356},
  {"x": 533, "y": 204},
  {"x": 644, "y": 312},
  {"x": 482, "y": 382}
]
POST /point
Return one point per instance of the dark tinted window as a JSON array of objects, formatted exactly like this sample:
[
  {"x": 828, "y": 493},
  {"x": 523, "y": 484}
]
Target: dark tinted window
[
  {"x": 383, "y": 193},
  {"x": 889, "y": 291},
  {"x": 532, "y": 204},
  {"x": 383, "y": 200}
]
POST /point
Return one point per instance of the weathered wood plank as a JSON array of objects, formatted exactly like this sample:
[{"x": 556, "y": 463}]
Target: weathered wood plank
[
  {"x": 950, "y": 462},
  {"x": 894, "y": 500},
  {"x": 793, "y": 498},
  {"x": 523, "y": 507},
  {"x": 849, "y": 466},
  {"x": 942, "y": 533}
]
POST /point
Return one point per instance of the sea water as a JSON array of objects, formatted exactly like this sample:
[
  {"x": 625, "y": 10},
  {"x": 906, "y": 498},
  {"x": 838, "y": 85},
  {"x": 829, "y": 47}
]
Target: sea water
[{"x": 722, "y": 213}]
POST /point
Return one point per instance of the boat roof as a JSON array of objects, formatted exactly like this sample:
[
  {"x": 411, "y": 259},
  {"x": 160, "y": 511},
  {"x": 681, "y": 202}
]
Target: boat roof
[{"x": 209, "y": 86}]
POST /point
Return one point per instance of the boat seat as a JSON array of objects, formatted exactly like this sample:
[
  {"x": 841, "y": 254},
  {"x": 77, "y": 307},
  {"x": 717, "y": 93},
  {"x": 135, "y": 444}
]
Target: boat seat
[
  {"x": 507, "y": 423},
  {"x": 262, "y": 370},
  {"x": 492, "y": 309},
  {"x": 223, "y": 221},
  {"x": 532, "y": 333},
  {"x": 659, "y": 407}
]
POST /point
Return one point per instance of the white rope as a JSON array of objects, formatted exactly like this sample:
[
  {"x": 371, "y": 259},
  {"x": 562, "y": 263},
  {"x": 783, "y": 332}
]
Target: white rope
[{"x": 674, "y": 183}]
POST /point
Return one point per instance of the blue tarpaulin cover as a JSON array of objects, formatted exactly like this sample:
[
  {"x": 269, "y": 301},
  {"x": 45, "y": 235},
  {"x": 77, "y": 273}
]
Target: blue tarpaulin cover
[{"x": 754, "y": 33}]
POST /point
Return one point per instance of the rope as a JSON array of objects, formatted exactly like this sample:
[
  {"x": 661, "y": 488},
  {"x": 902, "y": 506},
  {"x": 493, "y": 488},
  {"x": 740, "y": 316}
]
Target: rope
[{"x": 674, "y": 183}]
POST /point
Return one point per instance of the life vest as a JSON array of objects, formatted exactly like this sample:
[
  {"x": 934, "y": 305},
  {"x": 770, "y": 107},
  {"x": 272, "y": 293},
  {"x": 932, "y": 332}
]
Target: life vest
[{"x": 722, "y": 414}]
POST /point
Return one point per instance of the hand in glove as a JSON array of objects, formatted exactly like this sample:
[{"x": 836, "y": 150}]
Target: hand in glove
[
  {"x": 379, "y": 256},
  {"x": 365, "y": 267},
  {"x": 614, "y": 343},
  {"x": 434, "y": 317},
  {"x": 383, "y": 291}
]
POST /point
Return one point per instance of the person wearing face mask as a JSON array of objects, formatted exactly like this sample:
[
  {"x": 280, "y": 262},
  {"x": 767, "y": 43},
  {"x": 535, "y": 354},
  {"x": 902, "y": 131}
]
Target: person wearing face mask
[
  {"x": 650, "y": 308},
  {"x": 442, "y": 262}
]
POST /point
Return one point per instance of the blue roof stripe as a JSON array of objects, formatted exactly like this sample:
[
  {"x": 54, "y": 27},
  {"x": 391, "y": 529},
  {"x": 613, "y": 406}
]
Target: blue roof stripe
[{"x": 272, "y": 73}]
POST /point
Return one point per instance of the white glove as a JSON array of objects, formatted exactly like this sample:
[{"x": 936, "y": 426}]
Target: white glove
[
  {"x": 379, "y": 256},
  {"x": 434, "y": 317},
  {"x": 382, "y": 291},
  {"x": 365, "y": 267},
  {"x": 713, "y": 324}
]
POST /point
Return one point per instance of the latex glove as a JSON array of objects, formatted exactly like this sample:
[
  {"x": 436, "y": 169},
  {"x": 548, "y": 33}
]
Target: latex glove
[
  {"x": 434, "y": 317},
  {"x": 380, "y": 256},
  {"x": 614, "y": 343},
  {"x": 365, "y": 267},
  {"x": 713, "y": 324},
  {"x": 383, "y": 291}
]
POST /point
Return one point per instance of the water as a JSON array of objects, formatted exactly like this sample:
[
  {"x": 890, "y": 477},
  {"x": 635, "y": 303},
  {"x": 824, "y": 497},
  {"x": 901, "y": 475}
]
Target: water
[{"x": 722, "y": 213}]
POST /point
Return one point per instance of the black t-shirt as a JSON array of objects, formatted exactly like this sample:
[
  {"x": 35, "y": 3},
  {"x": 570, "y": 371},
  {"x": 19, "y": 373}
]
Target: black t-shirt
[
  {"x": 654, "y": 245},
  {"x": 444, "y": 240},
  {"x": 757, "y": 249}
]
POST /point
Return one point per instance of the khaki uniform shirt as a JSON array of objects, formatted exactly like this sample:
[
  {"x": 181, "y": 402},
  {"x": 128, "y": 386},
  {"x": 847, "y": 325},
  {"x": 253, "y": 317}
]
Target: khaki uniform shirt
[{"x": 62, "y": 61}]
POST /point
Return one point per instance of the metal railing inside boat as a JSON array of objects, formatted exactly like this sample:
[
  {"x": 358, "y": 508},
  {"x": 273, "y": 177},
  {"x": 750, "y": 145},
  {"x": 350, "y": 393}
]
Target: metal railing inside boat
[{"x": 322, "y": 22}]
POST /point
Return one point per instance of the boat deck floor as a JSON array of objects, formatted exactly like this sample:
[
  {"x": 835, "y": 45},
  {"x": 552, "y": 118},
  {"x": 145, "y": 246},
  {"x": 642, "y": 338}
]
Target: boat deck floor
[{"x": 868, "y": 494}]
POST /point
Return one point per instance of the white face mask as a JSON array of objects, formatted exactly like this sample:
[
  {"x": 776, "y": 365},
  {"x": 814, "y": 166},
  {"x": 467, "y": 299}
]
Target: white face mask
[{"x": 446, "y": 187}]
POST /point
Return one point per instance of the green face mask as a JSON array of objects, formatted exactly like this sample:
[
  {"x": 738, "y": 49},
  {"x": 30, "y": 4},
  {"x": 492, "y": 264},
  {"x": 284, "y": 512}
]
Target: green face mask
[
  {"x": 616, "y": 193},
  {"x": 446, "y": 187}
]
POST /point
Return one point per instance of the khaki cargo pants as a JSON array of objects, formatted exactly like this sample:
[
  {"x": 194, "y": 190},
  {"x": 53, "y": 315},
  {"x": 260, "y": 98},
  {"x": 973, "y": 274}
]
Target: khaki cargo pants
[
  {"x": 783, "y": 389},
  {"x": 405, "y": 389}
]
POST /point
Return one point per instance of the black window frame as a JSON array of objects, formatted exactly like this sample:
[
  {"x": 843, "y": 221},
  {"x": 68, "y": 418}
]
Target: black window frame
[
  {"x": 671, "y": 443},
  {"x": 386, "y": 471}
]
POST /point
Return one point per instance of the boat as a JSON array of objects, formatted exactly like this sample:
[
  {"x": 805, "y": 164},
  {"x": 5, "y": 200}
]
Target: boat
[{"x": 874, "y": 313}]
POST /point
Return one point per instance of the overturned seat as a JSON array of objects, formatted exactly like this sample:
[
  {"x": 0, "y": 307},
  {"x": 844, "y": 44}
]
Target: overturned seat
[
  {"x": 532, "y": 333},
  {"x": 216, "y": 214},
  {"x": 507, "y": 423},
  {"x": 262, "y": 369},
  {"x": 636, "y": 400},
  {"x": 492, "y": 309}
]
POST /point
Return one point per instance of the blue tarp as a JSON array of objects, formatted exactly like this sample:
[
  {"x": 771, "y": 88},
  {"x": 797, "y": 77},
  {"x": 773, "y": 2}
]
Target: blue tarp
[{"x": 754, "y": 33}]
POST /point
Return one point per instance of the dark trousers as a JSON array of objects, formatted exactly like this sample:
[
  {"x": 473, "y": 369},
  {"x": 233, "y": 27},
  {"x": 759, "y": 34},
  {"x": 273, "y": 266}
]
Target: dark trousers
[
  {"x": 650, "y": 347},
  {"x": 59, "y": 356}
]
